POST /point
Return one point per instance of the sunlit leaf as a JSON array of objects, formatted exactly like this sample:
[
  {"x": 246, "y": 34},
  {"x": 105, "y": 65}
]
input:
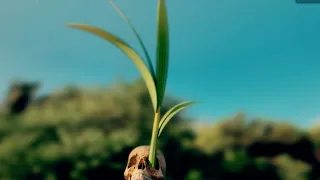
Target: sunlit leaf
[
  {"x": 162, "y": 57},
  {"x": 137, "y": 35},
  {"x": 173, "y": 111},
  {"x": 129, "y": 51}
]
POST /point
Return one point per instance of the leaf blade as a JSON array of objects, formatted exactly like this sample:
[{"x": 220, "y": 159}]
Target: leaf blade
[
  {"x": 150, "y": 65},
  {"x": 171, "y": 112},
  {"x": 162, "y": 54},
  {"x": 129, "y": 51}
]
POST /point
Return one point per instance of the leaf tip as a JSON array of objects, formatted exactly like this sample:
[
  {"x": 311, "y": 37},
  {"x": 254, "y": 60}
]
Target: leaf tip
[{"x": 72, "y": 25}]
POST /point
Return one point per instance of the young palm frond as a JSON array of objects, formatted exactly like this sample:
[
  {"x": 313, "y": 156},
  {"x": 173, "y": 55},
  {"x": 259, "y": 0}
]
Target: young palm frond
[{"x": 155, "y": 82}]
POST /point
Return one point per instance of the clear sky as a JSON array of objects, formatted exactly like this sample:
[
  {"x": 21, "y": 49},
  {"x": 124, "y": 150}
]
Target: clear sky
[{"x": 257, "y": 56}]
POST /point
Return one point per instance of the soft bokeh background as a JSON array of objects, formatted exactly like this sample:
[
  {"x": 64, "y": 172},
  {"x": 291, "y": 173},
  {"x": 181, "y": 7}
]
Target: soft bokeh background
[{"x": 253, "y": 65}]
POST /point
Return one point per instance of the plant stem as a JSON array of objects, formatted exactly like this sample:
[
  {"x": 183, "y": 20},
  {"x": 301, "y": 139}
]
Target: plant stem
[{"x": 154, "y": 138}]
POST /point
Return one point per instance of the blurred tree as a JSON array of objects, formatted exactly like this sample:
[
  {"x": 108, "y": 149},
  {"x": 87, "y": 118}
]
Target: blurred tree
[
  {"x": 87, "y": 133},
  {"x": 289, "y": 168},
  {"x": 303, "y": 150},
  {"x": 19, "y": 96},
  {"x": 81, "y": 132}
]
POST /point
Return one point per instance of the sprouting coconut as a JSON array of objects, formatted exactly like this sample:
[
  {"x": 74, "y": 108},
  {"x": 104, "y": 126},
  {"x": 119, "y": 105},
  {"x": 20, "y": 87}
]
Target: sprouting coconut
[
  {"x": 155, "y": 82},
  {"x": 138, "y": 167}
]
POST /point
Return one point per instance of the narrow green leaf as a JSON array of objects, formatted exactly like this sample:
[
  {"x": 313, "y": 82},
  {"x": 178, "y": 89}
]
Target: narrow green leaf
[
  {"x": 162, "y": 50},
  {"x": 151, "y": 68},
  {"x": 129, "y": 51},
  {"x": 173, "y": 111}
]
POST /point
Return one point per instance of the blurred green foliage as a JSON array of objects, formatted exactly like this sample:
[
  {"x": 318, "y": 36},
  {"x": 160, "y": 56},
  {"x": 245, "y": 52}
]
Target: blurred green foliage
[{"x": 87, "y": 133}]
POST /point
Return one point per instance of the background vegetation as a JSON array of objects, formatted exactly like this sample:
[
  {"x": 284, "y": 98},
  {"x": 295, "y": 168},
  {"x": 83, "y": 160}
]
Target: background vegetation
[{"x": 87, "y": 133}]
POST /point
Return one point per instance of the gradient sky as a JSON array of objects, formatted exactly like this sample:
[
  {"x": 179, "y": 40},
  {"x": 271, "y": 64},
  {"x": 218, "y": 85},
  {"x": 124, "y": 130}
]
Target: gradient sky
[{"x": 257, "y": 56}]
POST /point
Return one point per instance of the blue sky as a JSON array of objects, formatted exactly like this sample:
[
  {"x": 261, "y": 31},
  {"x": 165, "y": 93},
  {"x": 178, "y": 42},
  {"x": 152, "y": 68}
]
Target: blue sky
[{"x": 261, "y": 57}]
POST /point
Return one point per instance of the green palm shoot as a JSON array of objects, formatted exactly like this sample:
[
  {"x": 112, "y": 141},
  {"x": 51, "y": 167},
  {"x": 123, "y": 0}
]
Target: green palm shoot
[{"x": 155, "y": 81}]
